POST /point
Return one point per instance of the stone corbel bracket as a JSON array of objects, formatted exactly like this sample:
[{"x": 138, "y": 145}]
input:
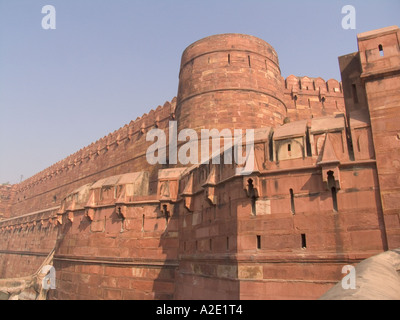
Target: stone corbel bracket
[
  {"x": 210, "y": 187},
  {"x": 188, "y": 195},
  {"x": 70, "y": 216}
]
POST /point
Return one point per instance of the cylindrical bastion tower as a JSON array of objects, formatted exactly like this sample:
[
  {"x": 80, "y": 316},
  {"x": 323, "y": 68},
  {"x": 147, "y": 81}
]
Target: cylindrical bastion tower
[{"x": 230, "y": 81}]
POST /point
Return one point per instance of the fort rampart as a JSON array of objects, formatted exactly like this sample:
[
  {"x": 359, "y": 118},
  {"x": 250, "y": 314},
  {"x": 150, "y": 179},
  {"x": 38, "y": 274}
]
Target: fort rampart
[{"x": 322, "y": 192}]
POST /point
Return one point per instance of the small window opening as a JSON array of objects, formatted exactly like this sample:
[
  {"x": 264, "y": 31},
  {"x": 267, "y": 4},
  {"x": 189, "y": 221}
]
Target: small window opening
[
  {"x": 271, "y": 149},
  {"x": 229, "y": 59},
  {"x": 292, "y": 208},
  {"x": 332, "y": 186},
  {"x": 381, "y": 53},
  {"x": 142, "y": 222},
  {"x": 303, "y": 241},
  {"x": 248, "y": 58},
  {"x": 259, "y": 242},
  {"x": 289, "y": 147},
  {"x": 252, "y": 196},
  {"x": 331, "y": 179}
]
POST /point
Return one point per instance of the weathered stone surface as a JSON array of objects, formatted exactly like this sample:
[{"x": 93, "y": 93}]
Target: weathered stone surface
[{"x": 323, "y": 192}]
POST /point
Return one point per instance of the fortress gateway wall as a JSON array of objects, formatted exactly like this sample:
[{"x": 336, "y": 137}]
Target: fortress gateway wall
[{"x": 317, "y": 199}]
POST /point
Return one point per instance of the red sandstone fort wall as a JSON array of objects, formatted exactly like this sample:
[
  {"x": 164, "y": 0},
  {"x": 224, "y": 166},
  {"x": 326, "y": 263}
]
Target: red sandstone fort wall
[
  {"x": 380, "y": 64},
  {"x": 315, "y": 201},
  {"x": 114, "y": 258},
  {"x": 6, "y": 198},
  {"x": 25, "y": 243},
  {"x": 120, "y": 152},
  {"x": 277, "y": 245},
  {"x": 312, "y": 97}
]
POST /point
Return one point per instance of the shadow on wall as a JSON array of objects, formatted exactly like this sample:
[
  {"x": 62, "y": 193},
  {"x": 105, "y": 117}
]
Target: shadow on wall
[{"x": 377, "y": 278}]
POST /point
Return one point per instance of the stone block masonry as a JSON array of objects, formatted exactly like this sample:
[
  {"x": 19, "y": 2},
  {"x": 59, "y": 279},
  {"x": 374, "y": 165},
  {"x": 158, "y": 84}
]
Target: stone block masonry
[{"x": 323, "y": 192}]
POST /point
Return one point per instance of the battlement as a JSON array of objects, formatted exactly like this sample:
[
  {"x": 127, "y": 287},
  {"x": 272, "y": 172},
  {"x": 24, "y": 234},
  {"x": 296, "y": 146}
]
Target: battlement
[
  {"x": 306, "y": 84},
  {"x": 130, "y": 131},
  {"x": 6, "y": 196},
  {"x": 322, "y": 190},
  {"x": 307, "y": 97},
  {"x": 116, "y": 153}
]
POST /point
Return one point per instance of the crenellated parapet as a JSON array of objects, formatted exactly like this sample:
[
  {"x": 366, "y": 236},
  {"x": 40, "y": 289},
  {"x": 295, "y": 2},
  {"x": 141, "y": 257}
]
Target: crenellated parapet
[
  {"x": 307, "y": 97},
  {"x": 134, "y": 129},
  {"x": 309, "y": 85},
  {"x": 7, "y": 193},
  {"x": 319, "y": 190},
  {"x": 111, "y": 153}
]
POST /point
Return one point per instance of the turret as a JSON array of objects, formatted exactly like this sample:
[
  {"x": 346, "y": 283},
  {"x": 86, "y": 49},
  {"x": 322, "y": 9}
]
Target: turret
[{"x": 230, "y": 81}]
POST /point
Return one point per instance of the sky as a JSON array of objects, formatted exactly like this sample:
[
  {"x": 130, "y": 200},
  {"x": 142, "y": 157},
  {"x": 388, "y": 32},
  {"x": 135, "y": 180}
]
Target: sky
[{"x": 108, "y": 62}]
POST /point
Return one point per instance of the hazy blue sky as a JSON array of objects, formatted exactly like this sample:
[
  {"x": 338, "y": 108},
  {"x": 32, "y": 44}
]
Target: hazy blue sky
[{"x": 109, "y": 62}]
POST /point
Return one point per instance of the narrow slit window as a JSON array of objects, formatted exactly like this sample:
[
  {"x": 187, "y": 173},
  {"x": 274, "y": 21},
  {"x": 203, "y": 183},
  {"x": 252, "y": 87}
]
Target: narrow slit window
[
  {"x": 289, "y": 147},
  {"x": 253, "y": 198},
  {"x": 229, "y": 59},
  {"x": 381, "y": 53},
  {"x": 210, "y": 244},
  {"x": 303, "y": 241},
  {"x": 259, "y": 242},
  {"x": 271, "y": 149},
  {"x": 292, "y": 208},
  {"x": 248, "y": 58}
]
